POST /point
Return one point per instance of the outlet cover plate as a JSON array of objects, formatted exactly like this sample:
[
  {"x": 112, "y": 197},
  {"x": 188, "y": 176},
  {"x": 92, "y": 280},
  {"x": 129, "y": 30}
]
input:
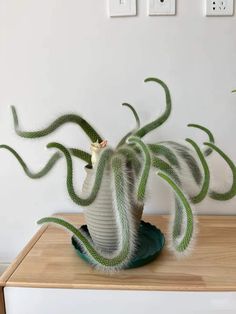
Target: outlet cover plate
[
  {"x": 219, "y": 7},
  {"x": 122, "y": 8},
  {"x": 161, "y": 7}
]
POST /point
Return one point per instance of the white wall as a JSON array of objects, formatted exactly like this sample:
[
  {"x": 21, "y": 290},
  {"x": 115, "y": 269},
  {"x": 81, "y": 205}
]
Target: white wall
[{"x": 58, "y": 56}]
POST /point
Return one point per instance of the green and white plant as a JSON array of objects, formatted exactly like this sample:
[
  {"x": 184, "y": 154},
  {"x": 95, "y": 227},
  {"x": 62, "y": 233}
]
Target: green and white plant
[{"x": 122, "y": 174}]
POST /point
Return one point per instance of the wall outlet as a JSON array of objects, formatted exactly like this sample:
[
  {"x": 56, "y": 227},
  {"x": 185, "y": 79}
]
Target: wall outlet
[
  {"x": 219, "y": 7},
  {"x": 122, "y": 7},
  {"x": 161, "y": 7}
]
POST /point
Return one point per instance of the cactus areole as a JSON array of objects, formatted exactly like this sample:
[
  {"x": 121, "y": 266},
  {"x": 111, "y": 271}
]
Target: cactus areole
[{"x": 125, "y": 171}]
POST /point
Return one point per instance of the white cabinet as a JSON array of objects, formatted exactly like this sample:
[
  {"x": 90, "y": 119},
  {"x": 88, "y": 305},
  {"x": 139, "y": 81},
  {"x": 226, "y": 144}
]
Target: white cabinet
[{"x": 74, "y": 301}]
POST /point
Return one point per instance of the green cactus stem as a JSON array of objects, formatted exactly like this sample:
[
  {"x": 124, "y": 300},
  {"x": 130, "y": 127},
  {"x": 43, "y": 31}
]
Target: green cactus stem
[
  {"x": 206, "y": 181},
  {"x": 68, "y": 118},
  {"x": 181, "y": 244},
  {"x": 141, "y": 185},
  {"x": 160, "y": 120},
  {"x": 190, "y": 161},
  {"x": 131, "y": 156},
  {"x": 208, "y": 151},
  {"x": 81, "y": 155},
  {"x": 166, "y": 168},
  {"x": 102, "y": 163},
  {"x": 232, "y": 192},
  {"x": 50, "y": 164},
  {"x": 123, "y": 140},
  {"x": 123, "y": 207},
  {"x": 136, "y": 116},
  {"x": 162, "y": 150}
]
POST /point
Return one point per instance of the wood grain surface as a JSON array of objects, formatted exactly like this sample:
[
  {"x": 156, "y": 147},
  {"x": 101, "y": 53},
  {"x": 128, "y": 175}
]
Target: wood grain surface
[
  {"x": 52, "y": 262},
  {"x": 2, "y": 304},
  {"x": 13, "y": 266}
]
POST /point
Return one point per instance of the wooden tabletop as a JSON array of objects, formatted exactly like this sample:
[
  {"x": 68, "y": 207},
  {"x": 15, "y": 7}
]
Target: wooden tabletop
[{"x": 50, "y": 261}]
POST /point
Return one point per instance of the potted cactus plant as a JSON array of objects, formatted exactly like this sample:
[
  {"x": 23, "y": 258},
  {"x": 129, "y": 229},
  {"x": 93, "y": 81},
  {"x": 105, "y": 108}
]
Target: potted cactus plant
[{"x": 114, "y": 189}]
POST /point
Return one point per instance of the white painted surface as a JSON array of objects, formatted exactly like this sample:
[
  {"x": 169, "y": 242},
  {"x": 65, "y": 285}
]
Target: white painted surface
[
  {"x": 3, "y": 267},
  {"x": 61, "y": 301},
  {"x": 58, "y": 56},
  {"x": 122, "y": 7}
]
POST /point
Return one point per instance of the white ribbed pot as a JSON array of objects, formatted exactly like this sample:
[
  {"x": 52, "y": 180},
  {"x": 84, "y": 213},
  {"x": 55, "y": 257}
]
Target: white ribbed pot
[{"x": 100, "y": 215}]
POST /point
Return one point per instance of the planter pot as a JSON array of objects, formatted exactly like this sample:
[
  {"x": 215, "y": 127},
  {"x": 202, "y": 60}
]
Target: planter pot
[{"x": 100, "y": 216}]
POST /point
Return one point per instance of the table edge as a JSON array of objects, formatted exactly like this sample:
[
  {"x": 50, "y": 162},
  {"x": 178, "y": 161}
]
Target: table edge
[{"x": 20, "y": 257}]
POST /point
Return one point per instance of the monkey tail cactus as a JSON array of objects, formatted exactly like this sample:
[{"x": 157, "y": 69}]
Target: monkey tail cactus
[
  {"x": 126, "y": 246},
  {"x": 183, "y": 167}
]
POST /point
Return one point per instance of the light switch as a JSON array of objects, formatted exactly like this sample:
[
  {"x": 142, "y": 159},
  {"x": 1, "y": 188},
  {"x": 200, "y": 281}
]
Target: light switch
[
  {"x": 122, "y": 7},
  {"x": 161, "y": 7}
]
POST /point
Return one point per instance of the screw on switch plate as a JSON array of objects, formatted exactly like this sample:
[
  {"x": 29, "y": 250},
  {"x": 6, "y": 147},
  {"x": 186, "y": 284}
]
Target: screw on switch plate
[
  {"x": 219, "y": 7},
  {"x": 161, "y": 7},
  {"x": 122, "y": 7}
]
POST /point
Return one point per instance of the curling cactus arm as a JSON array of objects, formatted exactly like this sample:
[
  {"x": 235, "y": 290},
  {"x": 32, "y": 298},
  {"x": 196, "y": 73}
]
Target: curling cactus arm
[
  {"x": 206, "y": 181},
  {"x": 141, "y": 185},
  {"x": 49, "y": 165},
  {"x": 166, "y": 168},
  {"x": 34, "y": 175},
  {"x": 68, "y": 118},
  {"x": 81, "y": 155},
  {"x": 136, "y": 116},
  {"x": 208, "y": 151},
  {"x": 170, "y": 172},
  {"x": 232, "y": 192},
  {"x": 130, "y": 154},
  {"x": 181, "y": 241},
  {"x": 162, "y": 150},
  {"x": 186, "y": 154},
  {"x": 160, "y": 120},
  {"x": 102, "y": 163},
  {"x": 123, "y": 140},
  {"x": 121, "y": 257}
]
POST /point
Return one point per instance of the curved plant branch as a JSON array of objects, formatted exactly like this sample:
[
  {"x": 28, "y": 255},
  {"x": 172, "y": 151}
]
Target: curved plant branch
[
  {"x": 104, "y": 158},
  {"x": 50, "y": 164},
  {"x": 123, "y": 254},
  {"x": 68, "y": 118},
  {"x": 162, "y": 150},
  {"x": 141, "y": 185},
  {"x": 123, "y": 140},
  {"x": 81, "y": 155},
  {"x": 186, "y": 154},
  {"x": 181, "y": 243},
  {"x": 136, "y": 116},
  {"x": 166, "y": 168},
  {"x": 131, "y": 156},
  {"x": 232, "y": 192},
  {"x": 206, "y": 181},
  {"x": 160, "y": 120},
  {"x": 34, "y": 175},
  {"x": 208, "y": 151}
]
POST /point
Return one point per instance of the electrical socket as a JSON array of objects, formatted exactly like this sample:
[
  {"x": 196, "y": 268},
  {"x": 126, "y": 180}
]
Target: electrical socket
[
  {"x": 219, "y": 7},
  {"x": 161, "y": 7}
]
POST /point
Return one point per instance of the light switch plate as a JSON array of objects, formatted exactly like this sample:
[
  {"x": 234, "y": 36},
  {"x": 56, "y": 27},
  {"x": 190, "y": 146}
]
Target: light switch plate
[
  {"x": 161, "y": 7},
  {"x": 122, "y": 8},
  {"x": 219, "y": 7}
]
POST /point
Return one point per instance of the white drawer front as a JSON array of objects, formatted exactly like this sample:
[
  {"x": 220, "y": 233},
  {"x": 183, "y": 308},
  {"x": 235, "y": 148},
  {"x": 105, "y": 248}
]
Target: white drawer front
[{"x": 68, "y": 301}]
